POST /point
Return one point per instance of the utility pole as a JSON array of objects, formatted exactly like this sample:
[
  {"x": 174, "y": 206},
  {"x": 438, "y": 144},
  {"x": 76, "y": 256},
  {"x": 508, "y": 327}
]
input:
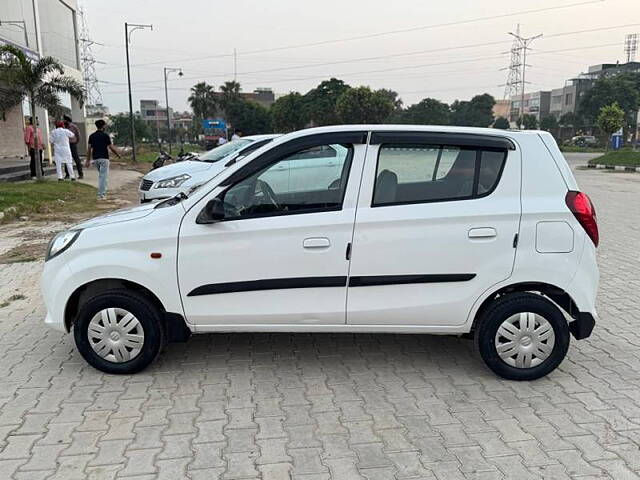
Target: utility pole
[
  {"x": 127, "y": 40},
  {"x": 166, "y": 98},
  {"x": 523, "y": 44},
  {"x": 88, "y": 61},
  {"x": 235, "y": 64}
]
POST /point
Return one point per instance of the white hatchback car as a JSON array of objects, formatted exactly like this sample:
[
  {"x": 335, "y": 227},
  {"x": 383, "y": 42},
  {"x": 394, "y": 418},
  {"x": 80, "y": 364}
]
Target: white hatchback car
[
  {"x": 371, "y": 228},
  {"x": 168, "y": 181}
]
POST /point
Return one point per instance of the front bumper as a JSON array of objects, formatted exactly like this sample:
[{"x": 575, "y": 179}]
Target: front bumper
[{"x": 582, "y": 326}]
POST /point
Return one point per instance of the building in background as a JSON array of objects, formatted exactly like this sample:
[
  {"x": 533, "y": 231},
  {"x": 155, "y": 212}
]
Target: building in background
[
  {"x": 40, "y": 28},
  {"x": 155, "y": 115},
  {"x": 535, "y": 103},
  {"x": 502, "y": 108}
]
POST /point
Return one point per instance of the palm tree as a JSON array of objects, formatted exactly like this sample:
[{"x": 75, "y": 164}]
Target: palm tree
[
  {"x": 202, "y": 100},
  {"x": 40, "y": 82},
  {"x": 230, "y": 92}
]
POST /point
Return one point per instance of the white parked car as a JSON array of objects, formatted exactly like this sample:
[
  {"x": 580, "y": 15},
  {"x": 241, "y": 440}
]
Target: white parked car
[
  {"x": 168, "y": 181},
  {"x": 370, "y": 228}
]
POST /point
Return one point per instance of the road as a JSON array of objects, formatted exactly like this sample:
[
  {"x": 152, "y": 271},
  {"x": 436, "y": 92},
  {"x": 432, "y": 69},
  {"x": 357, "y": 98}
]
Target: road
[{"x": 318, "y": 407}]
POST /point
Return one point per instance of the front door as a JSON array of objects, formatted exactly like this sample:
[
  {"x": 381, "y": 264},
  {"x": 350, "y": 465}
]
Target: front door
[
  {"x": 435, "y": 227},
  {"x": 278, "y": 256}
]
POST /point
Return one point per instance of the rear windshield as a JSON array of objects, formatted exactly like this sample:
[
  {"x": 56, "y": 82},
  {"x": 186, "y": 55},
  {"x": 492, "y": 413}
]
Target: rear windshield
[{"x": 222, "y": 151}]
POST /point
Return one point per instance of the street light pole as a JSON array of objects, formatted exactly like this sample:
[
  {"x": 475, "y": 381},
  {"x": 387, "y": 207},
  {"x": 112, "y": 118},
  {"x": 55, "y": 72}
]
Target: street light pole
[
  {"x": 166, "y": 98},
  {"x": 127, "y": 40}
]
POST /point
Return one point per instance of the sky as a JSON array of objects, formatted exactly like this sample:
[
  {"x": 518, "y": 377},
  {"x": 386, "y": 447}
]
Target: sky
[{"x": 445, "y": 50}]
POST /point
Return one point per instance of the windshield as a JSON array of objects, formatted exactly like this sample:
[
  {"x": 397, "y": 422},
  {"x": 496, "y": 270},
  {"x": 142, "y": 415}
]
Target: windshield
[{"x": 222, "y": 151}]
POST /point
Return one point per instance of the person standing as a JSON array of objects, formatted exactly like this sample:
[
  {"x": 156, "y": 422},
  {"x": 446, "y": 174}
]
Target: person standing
[
  {"x": 222, "y": 140},
  {"x": 236, "y": 135},
  {"x": 73, "y": 128},
  {"x": 33, "y": 140},
  {"x": 60, "y": 139},
  {"x": 98, "y": 150}
]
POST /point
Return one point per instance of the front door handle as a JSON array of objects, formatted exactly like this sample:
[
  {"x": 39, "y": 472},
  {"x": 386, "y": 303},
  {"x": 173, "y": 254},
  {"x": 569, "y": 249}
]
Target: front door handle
[
  {"x": 486, "y": 232},
  {"x": 316, "y": 242}
]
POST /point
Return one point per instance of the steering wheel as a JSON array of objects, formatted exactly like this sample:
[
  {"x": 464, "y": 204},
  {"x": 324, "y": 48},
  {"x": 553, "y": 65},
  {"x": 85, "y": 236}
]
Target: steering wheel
[{"x": 268, "y": 192}]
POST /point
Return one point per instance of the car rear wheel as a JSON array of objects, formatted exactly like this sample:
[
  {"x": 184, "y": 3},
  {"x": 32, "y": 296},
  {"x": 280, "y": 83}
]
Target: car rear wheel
[
  {"x": 522, "y": 336},
  {"x": 119, "y": 331}
]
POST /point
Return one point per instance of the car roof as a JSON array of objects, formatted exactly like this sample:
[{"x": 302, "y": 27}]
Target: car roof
[
  {"x": 269, "y": 136},
  {"x": 410, "y": 128}
]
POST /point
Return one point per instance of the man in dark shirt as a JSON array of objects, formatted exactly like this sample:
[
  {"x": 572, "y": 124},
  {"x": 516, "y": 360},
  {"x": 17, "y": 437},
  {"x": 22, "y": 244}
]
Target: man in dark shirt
[
  {"x": 73, "y": 144},
  {"x": 98, "y": 150}
]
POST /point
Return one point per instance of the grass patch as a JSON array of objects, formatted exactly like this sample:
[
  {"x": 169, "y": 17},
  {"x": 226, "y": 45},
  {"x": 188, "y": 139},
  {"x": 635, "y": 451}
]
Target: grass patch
[
  {"x": 626, "y": 158},
  {"x": 45, "y": 197},
  {"x": 575, "y": 149}
]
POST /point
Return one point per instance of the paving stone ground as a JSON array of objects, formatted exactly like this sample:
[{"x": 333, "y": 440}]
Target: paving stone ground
[{"x": 318, "y": 407}]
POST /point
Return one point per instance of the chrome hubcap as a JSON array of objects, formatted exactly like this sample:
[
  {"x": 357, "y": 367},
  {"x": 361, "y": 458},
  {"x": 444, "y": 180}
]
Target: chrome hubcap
[
  {"x": 116, "y": 335},
  {"x": 525, "y": 340}
]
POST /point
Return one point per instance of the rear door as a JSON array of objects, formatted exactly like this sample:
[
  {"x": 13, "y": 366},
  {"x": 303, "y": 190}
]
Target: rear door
[{"x": 435, "y": 226}]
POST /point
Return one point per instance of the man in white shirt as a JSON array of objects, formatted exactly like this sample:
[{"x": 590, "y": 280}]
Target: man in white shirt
[
  {"x": 236, "y": 135},
  {"x": 222, "y": 140},
  {"x": 59, "y": 138}
]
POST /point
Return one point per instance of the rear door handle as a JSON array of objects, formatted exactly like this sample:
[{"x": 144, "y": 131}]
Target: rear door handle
[
  {"x": 486, "y": 232},
  {"x": 316, "y": 242}
]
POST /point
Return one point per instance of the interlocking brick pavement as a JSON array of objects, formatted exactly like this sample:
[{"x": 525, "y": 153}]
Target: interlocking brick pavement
[{"x": 320, "y": 406}]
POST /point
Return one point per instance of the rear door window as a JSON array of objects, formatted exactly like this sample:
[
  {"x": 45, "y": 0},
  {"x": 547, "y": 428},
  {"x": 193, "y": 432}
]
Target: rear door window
[{"x": 432, "y": 173}]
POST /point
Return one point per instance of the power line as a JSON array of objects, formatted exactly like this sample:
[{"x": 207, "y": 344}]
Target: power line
[
  {"x": 523, "y": 45},
  {"x": 385, "y": 33}
]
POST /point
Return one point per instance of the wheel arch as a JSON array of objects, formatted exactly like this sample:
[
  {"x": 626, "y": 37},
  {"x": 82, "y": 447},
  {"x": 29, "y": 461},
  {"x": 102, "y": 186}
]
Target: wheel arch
[
  {"x": 554, "y": 293},
  {"x": 89, "y": 289}
]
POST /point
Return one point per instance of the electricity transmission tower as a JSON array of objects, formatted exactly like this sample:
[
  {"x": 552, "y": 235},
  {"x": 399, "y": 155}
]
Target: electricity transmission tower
[
  {"x": 522, "y": 44},
  {"x": 513, "y": 78},
  {"x": 631, "y": 46},
  {"x": 88, "y": 64}
]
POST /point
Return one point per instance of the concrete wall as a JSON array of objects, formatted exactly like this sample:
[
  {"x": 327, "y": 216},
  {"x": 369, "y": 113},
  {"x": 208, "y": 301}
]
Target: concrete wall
[{"x": 12, "y": 134}]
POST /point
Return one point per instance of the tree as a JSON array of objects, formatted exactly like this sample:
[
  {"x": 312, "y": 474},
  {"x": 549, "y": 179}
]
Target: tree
[
  {"x": 120, "y": 127},
  {"x": 393, "y": 96},
  {"x": 529, "y": 121},
  {"x": 428, "y": 111},
  {"x": 248, "y": 116},
  {"x": 288, "y": 113},
  {"x": 478, "y": 112},
  {"x": 610, "y": 119},
  {"x": 549, "y": 123},
  {"x": 501, "y": 123},
  {"x": 321, "y": 101},
  {"x": 570, "y": 119},
  {"x": 40, "y": 82},
  {"x": 362, "y": 105},
  {"x": 229, "y": 92},
  {"x": 203, "y": 100},
  {"x": 623, "y": 89}
]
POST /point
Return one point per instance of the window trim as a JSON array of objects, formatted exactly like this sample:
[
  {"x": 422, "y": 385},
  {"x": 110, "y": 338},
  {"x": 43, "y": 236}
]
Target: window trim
[
  {"x": 479, "y": 150},
  {"x": 443, "y": 138},
  {"x": 348, "y": 162}
]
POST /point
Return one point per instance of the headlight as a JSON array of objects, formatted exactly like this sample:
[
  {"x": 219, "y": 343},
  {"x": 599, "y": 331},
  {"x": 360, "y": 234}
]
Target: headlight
[
  {"x": 61, "y": 242},
  {"x": 173, "y": 182}
]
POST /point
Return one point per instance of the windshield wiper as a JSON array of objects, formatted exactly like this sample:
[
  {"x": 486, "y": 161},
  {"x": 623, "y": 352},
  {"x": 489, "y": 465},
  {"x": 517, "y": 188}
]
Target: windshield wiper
[{"x": 169, "y": 202}]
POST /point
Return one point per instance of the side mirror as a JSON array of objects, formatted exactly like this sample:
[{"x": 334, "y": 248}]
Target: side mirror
[{"x": 212, "y": 212}]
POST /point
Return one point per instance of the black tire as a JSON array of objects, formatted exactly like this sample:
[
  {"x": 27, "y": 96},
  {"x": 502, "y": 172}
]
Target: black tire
[
  {"x": 145, "y": 311},
  {"x": 507, "y": 306}
]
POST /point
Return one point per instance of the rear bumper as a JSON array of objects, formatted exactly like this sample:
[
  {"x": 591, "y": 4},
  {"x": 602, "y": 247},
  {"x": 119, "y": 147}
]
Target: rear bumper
[{"x": 582, "y": 326}]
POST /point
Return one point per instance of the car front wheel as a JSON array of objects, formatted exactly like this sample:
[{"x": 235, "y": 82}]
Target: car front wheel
[
  {"x": 119, "y": 331},
  {"x": 522, "y": 336}
]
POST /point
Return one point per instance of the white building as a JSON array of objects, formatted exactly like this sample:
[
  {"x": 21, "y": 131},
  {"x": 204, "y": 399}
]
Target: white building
[{"x": 40, "y": 28}]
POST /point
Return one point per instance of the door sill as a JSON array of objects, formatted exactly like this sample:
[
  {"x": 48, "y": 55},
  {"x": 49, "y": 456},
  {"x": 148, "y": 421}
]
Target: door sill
[{"x": 290, "y": 328}]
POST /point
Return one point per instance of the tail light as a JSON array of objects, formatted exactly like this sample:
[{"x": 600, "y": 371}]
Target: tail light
[{"x": 584, "y": 211}]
